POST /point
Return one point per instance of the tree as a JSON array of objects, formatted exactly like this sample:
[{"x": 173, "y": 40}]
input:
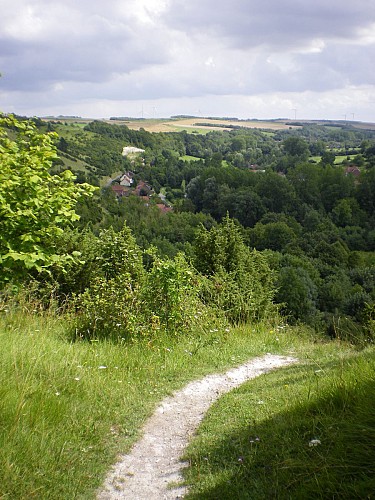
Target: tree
[
  {"x": 296, "y": 149},
  {"x": 35, "y": 205},
  {"x": 328, "y": 158}
]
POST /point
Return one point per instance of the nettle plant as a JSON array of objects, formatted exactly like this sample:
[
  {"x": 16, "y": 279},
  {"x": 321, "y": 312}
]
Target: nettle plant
[{"x": 35, "y": 206}]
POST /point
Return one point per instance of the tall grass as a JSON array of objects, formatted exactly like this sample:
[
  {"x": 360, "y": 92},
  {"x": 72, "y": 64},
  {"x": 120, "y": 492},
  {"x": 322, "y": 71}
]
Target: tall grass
[{"x": 67, "y": 409}]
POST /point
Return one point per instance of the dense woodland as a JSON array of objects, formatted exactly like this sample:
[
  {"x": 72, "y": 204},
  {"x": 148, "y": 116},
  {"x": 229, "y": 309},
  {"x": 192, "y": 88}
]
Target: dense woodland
[{"x": 299, "y": 203}]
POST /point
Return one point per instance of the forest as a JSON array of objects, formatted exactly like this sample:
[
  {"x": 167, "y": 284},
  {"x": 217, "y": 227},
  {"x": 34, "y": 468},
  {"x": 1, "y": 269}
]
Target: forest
[{"x": 302, "y": 198}]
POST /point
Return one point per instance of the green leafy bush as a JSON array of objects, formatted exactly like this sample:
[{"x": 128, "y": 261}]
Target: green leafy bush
[
  {"x": 126, "y": 301},
  {"x": 238, "y": 281},
  {"x": 110, "y": 308},
  {"x": 35, "y": 206}
]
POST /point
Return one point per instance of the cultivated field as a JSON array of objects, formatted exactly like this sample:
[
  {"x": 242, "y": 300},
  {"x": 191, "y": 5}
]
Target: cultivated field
[
  {"x": 200, "y": 125},
  {"x": 204, "y": 125}
]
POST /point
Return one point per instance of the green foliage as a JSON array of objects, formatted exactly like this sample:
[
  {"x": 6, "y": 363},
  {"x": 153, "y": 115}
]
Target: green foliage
[
  {"x": 110, "y": 309},
  {"x": 35, "y": 206},
  {"x": 125, "y": 301},
  {"x": 171, "y": 297},
  {"x": 298, "y": 294},
  {"x": 238, "y": 280},
  {"x": 111, "y": 304},
  {"x": 273, "y": 236}
]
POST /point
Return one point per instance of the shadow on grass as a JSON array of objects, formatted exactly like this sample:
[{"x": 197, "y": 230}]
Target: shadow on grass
[{"x": 276, "y": 458}]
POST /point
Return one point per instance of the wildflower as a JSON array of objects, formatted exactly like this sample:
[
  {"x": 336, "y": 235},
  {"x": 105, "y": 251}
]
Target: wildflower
[
  {"x": 256, "y": 439},
  {"x": 57, "y": 393},
  {"x": 76, "y": 378},
  {"x": 314, "y": 442}
]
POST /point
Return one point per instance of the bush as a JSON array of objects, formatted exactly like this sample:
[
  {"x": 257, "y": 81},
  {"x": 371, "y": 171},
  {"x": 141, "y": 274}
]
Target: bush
[
  {"x": 110, "y": 308},
  {"x": 237, "y": 280},
  {"x": 135, "y": 303}
]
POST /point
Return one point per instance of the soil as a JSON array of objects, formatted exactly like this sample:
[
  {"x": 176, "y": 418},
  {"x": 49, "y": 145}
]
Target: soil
[{"x": 154, "y": 462}]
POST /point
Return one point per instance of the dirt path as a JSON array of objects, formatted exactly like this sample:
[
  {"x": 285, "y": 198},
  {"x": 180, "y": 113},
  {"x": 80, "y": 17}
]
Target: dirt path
[{"x": 154, "y": 461}]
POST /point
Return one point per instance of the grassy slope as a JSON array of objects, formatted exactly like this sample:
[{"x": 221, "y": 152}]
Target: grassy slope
[
  {"x": 258, "y": 441},
  {"x": 68, "y": 409},
  {"x": 64, "y": 418}
]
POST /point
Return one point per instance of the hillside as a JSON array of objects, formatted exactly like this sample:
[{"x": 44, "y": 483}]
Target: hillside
[{"x": 194, "y": 253}]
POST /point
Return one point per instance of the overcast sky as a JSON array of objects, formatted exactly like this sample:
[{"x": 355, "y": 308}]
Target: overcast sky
[{"x": 244, "y": 58}]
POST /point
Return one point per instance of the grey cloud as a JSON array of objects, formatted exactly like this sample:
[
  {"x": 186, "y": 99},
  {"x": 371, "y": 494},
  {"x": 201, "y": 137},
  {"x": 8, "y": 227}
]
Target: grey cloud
[
  {"x": 271, "y": 22},
  {"x": 94, "y": 51},
  {"x": 84, "y": 49}
]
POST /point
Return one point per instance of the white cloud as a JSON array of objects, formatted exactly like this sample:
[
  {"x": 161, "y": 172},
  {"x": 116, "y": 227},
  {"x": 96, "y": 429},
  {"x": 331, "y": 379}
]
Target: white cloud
[{"x": 265, "y": 56}]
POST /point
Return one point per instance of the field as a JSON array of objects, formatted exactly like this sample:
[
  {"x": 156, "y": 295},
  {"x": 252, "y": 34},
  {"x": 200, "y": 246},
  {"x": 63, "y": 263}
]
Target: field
[{"x": 201, "y": 125}]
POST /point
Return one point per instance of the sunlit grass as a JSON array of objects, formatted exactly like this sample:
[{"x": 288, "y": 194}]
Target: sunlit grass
[
  {"x": 67, "y": 409},
  {"x": 306, "y": 431}
]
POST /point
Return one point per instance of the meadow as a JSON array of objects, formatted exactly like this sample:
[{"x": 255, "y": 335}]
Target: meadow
[{"x": 69, "y": 408}]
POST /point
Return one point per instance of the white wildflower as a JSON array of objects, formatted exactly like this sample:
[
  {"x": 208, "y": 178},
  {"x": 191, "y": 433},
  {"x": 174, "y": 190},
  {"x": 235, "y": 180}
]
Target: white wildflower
[{"x": 314, "y": 442}]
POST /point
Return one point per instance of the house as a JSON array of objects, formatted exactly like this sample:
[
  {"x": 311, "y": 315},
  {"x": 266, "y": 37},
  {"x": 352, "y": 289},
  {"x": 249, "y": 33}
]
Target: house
[
  {"x": 126, "y": 179},
  {"x": 143, "y": 189},
  {"x": 352, "y": 170},
  {"x": 120, "y": 191},
  {"x": 163, "y": 208},
  {"x": 127, "y": 150}
]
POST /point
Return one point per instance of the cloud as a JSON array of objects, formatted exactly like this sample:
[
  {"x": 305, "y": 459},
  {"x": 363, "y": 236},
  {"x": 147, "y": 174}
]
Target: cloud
[
  {"x": 271, "y": 23},
  {"x": 102, "y": 54},
  {"x": 65, "y": 41}
]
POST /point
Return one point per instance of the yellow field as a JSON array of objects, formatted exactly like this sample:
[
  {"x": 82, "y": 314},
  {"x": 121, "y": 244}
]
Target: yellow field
[{"x": 198, "y": 124}]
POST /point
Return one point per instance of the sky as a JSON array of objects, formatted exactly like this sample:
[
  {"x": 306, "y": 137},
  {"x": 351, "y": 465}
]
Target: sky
[{"x": 264, "y": 59}]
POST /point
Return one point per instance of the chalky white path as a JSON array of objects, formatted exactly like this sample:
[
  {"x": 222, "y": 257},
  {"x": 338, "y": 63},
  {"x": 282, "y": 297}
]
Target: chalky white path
[{"x": 154, "y": 461}]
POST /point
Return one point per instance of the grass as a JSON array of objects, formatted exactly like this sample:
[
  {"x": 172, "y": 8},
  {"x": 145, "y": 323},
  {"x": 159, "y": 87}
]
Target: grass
[
  {"x": 306, "y": 431},
  {"x": 189, "y": 158},
  {"x": 338, "y": 160},
  {"x": 67, "y": 409}
]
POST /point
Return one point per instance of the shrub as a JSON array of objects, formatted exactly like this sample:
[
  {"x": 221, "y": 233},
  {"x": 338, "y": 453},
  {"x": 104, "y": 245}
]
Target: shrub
[
  {"x": 238, "y": 281},
  {"x": 35, "y": 206},
  {"x": 110, "y": 308}
]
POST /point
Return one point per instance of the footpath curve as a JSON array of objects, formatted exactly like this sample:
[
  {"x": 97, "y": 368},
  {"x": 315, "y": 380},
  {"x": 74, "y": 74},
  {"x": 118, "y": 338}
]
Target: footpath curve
[{"x": 154, "y": 461}]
